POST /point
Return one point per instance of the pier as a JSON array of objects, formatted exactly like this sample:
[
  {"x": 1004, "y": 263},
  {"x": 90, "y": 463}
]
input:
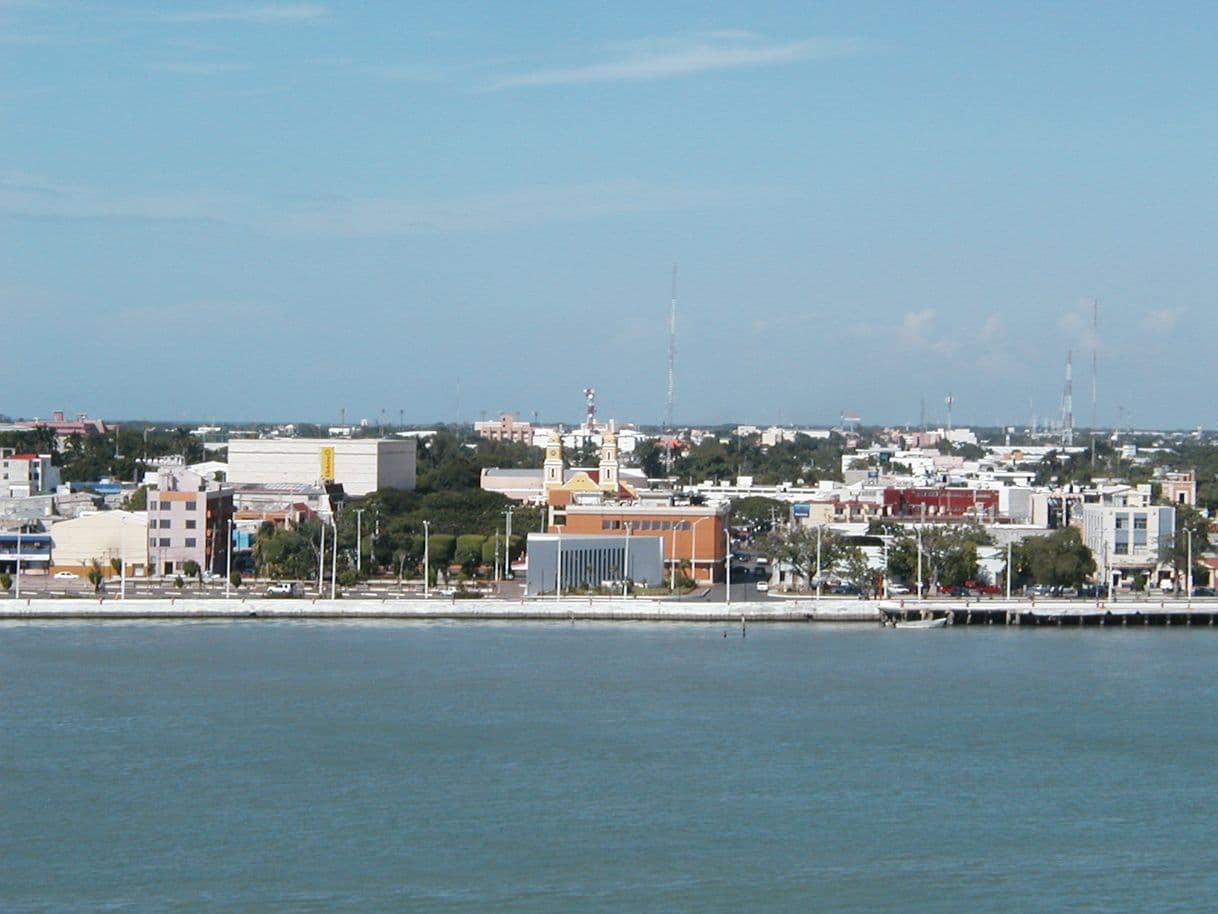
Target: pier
[{"x": 1053, "y": 612}]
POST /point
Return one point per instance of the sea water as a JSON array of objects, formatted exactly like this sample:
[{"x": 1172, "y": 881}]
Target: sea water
[{"x": 265, "y": 767}]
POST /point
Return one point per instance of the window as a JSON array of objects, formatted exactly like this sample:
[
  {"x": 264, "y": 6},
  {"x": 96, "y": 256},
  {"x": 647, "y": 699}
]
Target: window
[
  {"x": 163, "y": 523},
  {"x": 164, "y": 542},
  {"x": 190, "y": 542},
  {"x": 645, "y": 525},
  {"x": 1120, "y": 549},
  {"x": 605, "y": 525},
  {"x": 667, "y": 525},
  {"x": 192, "y": 506},
  {"x": 1139, "y": 522},
  {"x": 152, "y": 543},
  {"x": 684, "y": 525},
  {"x": 617, "y": 525},
  {"x": 190, "y": 524},
  {"x": 1121, "y": 521}
]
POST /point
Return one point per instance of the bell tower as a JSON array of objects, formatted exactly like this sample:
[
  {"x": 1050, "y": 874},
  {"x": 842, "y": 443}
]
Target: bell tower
[
  {"x": 609, "y": 464},
  {"x": 552, "y": 467}
]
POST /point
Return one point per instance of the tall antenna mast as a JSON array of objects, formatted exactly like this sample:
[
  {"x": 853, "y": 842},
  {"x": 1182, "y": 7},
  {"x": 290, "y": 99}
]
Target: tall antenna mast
[
  {"x": 1095, "y": 347},
  {"x": 1068, "y": 403},
  {"x": 672, "y": 353}
]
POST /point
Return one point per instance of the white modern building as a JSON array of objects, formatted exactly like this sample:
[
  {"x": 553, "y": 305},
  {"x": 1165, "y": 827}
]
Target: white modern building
[
  {"x": 359, "y": 465},
  {"x": 24, "y": 475}
]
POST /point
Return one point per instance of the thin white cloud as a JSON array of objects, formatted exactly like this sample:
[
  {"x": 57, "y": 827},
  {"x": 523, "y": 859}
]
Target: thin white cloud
[
  {"x": 265, "y": 14},
  {"x": 198, "y": 68},
  {"x": 650, "y": 59},
  {"x": 1078, "y": 326},
  {"x": 353, "y": 217},
  {"x": 916, "y": 329},
  {"x": 1162, "y": 320}
]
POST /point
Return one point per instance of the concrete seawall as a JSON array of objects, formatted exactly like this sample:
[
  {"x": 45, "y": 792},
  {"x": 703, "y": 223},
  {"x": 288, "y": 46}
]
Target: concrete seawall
[{"x": 600, "y": 609}]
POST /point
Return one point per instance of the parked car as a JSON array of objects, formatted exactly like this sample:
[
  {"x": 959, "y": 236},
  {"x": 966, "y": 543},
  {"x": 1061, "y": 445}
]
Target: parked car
[
  {"x": 898, "y": 589},
  {"x": 65, "y": 576},
  {"x": 1204, "y": 592},
  {"x": 283, "y": 589},
  {"x": 763, "y": 586}
]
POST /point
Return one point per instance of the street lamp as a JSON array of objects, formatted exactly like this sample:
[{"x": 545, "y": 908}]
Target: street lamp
[
  {"x": 19, "y": 563},
  {"x": 1189, "y": 579},
  {"x": 819, "y": 527},
  {"x": 228, "y": 562},
  {"x": 727, "y": 561},
  {"x": 426, "y": 559},
  {"x": 626, "y": 564},
  {"x": 334, "y": 563},
  {"x": 359, "y": 539},
  {"x": 919, "y": 529}
]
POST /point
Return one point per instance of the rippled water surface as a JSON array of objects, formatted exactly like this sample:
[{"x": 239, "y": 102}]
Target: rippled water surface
[{"x": 533, "y": 767}]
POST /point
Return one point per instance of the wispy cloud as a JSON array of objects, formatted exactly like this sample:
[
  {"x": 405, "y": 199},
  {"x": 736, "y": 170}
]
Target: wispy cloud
[
  {"x": 1077, "y": 325},
  {"x": 656, "y": 58},
  {"x": 916, "y": 332},
  {"x": 355, "y": 217},
  {"x": 1162, "y": 320},
  {"x": 265, "y": 14},
  {"x": 198, "y": 68}
]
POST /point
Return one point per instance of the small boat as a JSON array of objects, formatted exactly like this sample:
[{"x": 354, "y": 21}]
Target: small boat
[{"x": 922, "y": 623}]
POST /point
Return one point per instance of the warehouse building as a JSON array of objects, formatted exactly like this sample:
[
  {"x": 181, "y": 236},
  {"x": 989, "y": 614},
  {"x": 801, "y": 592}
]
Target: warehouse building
[{"x": 359, "y": 465}]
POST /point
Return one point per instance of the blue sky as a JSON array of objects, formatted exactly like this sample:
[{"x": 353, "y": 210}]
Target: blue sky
[{"x": 280, "y": 210}]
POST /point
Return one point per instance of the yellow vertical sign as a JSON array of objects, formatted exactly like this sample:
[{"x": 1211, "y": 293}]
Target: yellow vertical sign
[{"x": 327, "y": 464}]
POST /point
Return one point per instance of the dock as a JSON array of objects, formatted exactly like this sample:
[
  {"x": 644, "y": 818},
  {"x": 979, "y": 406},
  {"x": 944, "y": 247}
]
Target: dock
[{"x": 1053, "y": 612}]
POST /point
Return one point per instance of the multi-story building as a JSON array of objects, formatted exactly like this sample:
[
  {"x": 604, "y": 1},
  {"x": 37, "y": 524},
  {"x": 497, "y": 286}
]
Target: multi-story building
[
  {"x": 505, "y": 428},
  {"x": 187, "y": 522},
  {"x": 25, "y": 475},
  {"x": 692, "y": 537},
  {"x": 359, "y": 465},
  {"x": 592, "y": 561},
  {"x": 1130, "y": 540}
]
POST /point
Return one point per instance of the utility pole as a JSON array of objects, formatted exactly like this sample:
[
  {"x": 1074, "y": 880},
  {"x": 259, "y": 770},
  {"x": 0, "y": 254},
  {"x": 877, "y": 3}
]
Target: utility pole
[
  {"x": 426, "y": 559},
  {"x": 359, "y": 538},
  {"x": 334, "y": 564},
  {"x": 507, "y": 546},
  {"x": 321, "y": 561},
  {"x": 727, "y": 561}
]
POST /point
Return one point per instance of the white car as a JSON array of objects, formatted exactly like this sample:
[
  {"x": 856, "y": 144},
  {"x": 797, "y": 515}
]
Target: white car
[
  {"x": 65, "y": 576},
  {"x": 898, "y": 589},
  {"x": 763, "y": 586}
]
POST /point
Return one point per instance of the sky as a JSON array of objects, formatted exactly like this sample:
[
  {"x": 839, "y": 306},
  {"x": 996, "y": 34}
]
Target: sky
[{"x": 439, "y": 211}]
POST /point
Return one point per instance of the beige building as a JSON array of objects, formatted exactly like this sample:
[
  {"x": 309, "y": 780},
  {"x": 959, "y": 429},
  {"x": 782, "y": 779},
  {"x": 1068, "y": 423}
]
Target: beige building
[
  {"x": 359, "y": 465},
  {"x": 104, "y": 536}
]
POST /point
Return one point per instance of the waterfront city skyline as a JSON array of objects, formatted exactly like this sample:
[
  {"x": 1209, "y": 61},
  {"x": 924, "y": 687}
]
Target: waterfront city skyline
[{"x": 260, "y": 210}]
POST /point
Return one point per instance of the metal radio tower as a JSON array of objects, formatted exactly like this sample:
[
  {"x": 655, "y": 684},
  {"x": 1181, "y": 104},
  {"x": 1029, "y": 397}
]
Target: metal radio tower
[
  {"x": 1068, "y": 404},
  {"x": 590, "y": 408},
  {"x": 1095, "y": 346},
  {"x": 672, "y": 352}
]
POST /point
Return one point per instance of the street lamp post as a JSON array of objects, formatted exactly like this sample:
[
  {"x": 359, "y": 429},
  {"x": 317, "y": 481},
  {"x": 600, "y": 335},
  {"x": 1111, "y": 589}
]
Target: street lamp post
[
  {"x": 122, "y": 554},
  {"x": 727, "y": 561},
  {"x": 919, "y": 561},
  {"x": 426, "y": 559},
  {"x": 19, "y": 563},
  {"x": 818, "y": 574},
  {"x": 558, "y": 569},
  {"x": 359, "y": 539},
  {"x": 1189, "y": 578},
  {"x": 334, "y": 564},
  {"x": 507, "y": 546},
  {"x": 321, "y": 559},
  {"x": 228, "y": 562},
  {"x": 1008, "y": 570},
  {"x": 626, "y": 564}
]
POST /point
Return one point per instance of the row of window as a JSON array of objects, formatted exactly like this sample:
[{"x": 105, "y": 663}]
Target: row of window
[
  {"x": 168, "y": 505},
  {"x": 163, "y": 524},
  {"x": 646, "y": 524},
  {"x": 1122, "y": 521},
  {"x": 164, "y": 542}
]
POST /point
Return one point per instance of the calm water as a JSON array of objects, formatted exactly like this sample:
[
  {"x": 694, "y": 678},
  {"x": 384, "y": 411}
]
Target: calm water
[{"x": 361, "y": 767}]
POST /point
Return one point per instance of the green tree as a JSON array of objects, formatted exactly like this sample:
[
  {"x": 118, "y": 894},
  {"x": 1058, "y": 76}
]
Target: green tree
[
  {"x": 796, "y": 547},
  {"x": 467, "y": 551},
  {"x": 192, "y": 570},
  {"x": 95, "y": 575},
  {"x": 234, "y": 578},
  {"x": 758, "y": 512},
  {"x": 6, "y": 581},
  {"x": 1188, "y": 520},
  {"x": 1058, "y": 560},
  {"x": 949, "y": 554}
]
